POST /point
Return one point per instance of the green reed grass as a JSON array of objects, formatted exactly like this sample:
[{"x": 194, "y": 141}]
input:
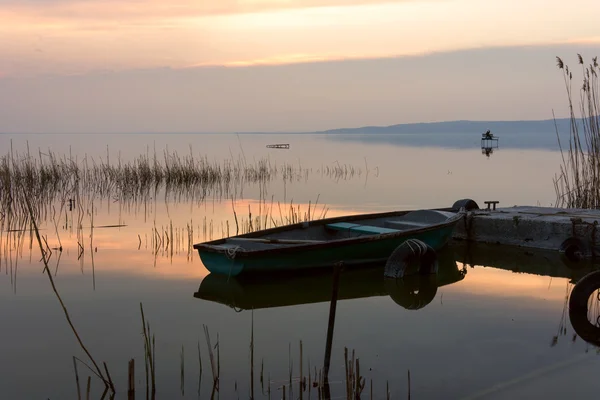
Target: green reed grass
[{"x": 577, "y": 185}]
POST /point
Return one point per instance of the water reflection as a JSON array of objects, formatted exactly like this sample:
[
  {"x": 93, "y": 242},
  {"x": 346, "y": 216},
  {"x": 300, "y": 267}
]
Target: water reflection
[
  {"x": 412, "y": 293},
  {"x": 487, "y": 151},
  {"x": 416, "y": 293},
  {"x": 523, "y": 261},
  {"x": 511, "y": 139},
  {"x": 474, "y": 312},
  {"x": 256, "y": 292}
]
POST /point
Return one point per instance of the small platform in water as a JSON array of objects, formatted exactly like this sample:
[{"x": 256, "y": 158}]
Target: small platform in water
[{"x": 278, "y": 146}]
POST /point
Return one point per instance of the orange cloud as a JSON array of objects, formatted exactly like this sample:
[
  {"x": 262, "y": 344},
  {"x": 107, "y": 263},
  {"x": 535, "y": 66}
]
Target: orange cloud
[{"x": 79, "y": 36}]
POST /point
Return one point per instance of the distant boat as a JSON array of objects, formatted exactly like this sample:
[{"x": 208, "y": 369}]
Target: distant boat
[
  {"x": 278, "y": 146},
  {"x": 357, "y": 239}
]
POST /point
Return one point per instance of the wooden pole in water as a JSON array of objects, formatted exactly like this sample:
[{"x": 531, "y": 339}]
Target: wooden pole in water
[
  {"x": 131, "y": 381},
  {"x": 334, "y": 295}
]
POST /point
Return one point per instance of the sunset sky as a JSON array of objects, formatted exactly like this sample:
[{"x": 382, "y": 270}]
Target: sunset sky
[{"x": 283, "y": 65}]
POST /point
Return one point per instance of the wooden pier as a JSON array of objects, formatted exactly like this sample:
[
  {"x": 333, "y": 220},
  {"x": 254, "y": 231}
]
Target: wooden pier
[
  {"x": 278, "y": 146},
  {"x": 573, "y": 232}
]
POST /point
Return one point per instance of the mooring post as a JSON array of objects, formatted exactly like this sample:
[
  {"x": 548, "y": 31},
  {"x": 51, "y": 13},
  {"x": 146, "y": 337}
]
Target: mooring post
[
  {"x": 131, "y": 380},
  {"x": 334, "y": 294}
]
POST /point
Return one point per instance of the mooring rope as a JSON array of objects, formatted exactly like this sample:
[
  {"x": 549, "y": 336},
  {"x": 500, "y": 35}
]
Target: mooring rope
[{"x": 232, "y": 251}]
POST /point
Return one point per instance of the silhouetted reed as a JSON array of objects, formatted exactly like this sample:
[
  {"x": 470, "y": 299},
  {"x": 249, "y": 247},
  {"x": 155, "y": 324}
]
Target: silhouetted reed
[
  {"x": 49, "y": 178},
  {"x": 284, "y": 215},
  {"x": 578, "y": 182},
  {"x": 46, "y": 252}
]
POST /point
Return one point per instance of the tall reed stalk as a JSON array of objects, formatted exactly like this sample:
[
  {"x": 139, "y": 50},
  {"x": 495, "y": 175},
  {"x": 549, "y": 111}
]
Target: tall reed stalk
[
  {"x": 577, "y": 185},
  {"x": 106, "y": 379}
]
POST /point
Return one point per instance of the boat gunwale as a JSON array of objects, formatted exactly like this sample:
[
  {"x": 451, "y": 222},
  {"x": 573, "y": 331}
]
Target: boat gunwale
[{"x": 243, "y": 253}]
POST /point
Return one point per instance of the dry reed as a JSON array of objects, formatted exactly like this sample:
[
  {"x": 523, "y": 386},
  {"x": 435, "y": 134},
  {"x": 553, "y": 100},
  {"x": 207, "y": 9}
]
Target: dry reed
[{"x": 577, "y": 185}]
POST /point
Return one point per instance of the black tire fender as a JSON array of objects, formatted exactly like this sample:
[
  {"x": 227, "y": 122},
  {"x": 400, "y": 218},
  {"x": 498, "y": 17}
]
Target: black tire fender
[
  {"x": 409, "y": 256},
  {"x": 467, "y": 204},
  {"x": 573, "y": 249},
  {"x": 578, "y": 308}
]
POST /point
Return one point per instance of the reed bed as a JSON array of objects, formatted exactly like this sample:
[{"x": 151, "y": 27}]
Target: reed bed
[
  {"x": 49, "y": 178},
  {"x": 577, "y": 185},
  {"x": 271, "y": 215},
  {"x": 167, "y": 240}
]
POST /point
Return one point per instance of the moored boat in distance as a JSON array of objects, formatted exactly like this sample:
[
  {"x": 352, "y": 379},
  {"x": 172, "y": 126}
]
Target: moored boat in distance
[{"x": 351, "y": 240}]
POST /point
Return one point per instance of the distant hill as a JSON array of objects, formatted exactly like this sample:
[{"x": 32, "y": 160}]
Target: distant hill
[{"x": 497, "y": 127}]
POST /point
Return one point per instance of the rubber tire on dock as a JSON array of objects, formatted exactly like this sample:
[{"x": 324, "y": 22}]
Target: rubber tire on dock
[
  {"x": 413, "y": 292},
  {"x": 574, "y": 249},
  {"x": 578, "y": 308},
  {"x": 468, "y": 204},
  {"x": 412, "y": 254}
]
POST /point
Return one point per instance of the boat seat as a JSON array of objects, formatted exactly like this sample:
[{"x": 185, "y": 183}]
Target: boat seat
[
  {"x": 404, "y": 225},
  {"x": 367, "y": 229}
]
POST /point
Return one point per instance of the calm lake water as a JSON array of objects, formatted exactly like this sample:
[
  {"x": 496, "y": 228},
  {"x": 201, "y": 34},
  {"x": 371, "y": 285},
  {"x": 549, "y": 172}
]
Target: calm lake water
[{"x": 495, "y": 328}]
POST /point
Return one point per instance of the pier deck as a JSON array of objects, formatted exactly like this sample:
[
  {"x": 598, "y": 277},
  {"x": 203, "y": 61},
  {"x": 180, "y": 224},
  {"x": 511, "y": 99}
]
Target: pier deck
[{"x": 573, "y": 231}]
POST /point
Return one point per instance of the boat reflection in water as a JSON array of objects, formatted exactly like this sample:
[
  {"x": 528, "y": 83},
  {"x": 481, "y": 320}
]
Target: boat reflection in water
[
  {"x": 281, "y": 290},
  {"x": 414, "y": 292},
  {"x": 256, "y": 292}
]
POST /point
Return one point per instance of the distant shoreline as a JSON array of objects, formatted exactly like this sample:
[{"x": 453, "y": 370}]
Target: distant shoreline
[{"x": 459, "y": 126}]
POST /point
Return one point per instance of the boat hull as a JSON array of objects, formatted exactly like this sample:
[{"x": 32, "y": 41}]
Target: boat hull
[{"x": 356, "y": 252}]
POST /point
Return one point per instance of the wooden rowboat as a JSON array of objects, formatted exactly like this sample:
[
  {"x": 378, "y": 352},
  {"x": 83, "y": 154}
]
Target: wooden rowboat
[{"x": 351, "y": 240}]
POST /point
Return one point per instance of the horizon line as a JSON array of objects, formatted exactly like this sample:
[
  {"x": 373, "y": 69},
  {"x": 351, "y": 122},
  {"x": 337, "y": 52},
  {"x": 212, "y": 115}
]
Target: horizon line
[{"x": 325, "y": 131}]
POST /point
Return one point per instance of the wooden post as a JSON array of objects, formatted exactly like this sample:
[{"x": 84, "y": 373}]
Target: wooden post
[
  {"x": 330, "y": 325},
  {"x": 131, "y": 381}
]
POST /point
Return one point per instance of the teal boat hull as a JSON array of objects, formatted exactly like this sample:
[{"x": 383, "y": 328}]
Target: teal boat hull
[{"x": 363, "y": 250}]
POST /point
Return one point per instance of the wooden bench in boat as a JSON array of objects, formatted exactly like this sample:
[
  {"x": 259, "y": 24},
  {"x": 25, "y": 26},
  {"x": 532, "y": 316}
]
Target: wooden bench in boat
[
  {"x": 367, "y": 229},
  {"x": 405, "y": 225}
]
